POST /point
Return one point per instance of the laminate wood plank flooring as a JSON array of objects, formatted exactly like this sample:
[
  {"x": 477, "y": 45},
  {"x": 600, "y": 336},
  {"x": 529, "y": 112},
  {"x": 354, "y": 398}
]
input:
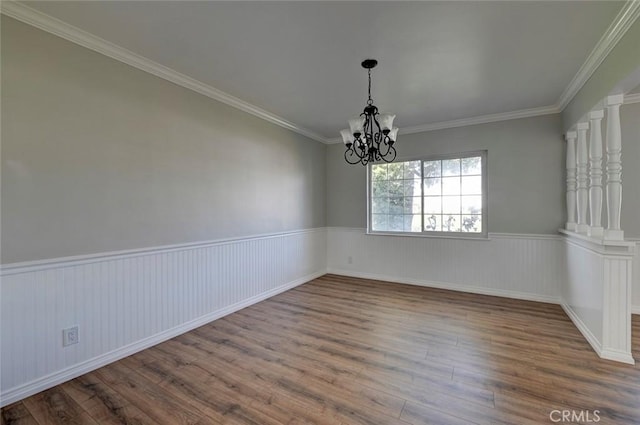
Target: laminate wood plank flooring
[{"x": 341, "y": 350}]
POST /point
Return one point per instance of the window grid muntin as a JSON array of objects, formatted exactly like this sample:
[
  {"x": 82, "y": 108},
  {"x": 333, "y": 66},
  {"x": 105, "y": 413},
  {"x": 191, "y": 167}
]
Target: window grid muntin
[
  {"x": 396, "y": 197},
  {"x": 462, "y": 214}
]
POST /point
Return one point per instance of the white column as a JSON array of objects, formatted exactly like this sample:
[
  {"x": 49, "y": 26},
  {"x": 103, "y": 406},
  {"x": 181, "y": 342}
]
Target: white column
[
  {"x": 595, "y": 174},
  {"x": 614, "y": 167},
  {"x": 571, "y": 180},
  {"x": 582, "y": 195}
]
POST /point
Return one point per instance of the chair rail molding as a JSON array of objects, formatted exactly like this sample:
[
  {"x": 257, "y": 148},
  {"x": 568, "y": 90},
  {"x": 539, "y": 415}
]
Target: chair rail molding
[
  {"x": 521, "y": 266},
  {"x": 124, "y": 302}
]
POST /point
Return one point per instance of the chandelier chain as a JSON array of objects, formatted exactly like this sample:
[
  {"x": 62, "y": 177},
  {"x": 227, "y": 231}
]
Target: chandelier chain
[{"x": 370, "y": 101}]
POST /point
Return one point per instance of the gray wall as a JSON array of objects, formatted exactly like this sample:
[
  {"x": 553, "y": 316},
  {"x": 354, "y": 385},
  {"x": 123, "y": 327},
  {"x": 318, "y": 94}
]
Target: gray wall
[
  {"x": 525, "y": 173},
  {"x": 630, "y": 214},
  {"x": 99, "y": 156},
  {"x": 619, "y": 71}
]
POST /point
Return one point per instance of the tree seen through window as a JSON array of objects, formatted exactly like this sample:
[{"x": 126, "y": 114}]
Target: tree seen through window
[{"x": 440, "y": 195}]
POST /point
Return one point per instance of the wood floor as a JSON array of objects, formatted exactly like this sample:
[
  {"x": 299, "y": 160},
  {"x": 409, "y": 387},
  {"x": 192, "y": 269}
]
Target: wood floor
[{"x": 350, "y": 351}]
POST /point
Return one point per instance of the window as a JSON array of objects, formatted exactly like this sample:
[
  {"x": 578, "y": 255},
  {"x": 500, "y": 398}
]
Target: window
[{"x": 443, "y": 195}]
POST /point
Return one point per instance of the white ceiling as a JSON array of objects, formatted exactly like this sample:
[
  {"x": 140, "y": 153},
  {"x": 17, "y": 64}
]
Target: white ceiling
[{"x": 438, "y": 61}]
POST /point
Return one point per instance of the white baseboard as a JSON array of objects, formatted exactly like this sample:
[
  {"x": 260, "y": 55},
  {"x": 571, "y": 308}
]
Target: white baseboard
[
  {"x": 609, "y": 354},
  {"x": 46, "y": 382},
  {"x": 584, "y": 330},
  {"x": 451, "y": 286},
  {"x": 617, "y": 356}
]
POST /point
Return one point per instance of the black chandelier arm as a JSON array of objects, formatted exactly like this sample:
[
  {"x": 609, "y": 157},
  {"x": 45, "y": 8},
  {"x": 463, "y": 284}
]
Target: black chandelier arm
[
  {"x": 385, "y": 143},
  {"x": 351, "y": 153},
  {"x": 378, "y": 137},
  {"x": 387, "y": 157},
  {"x": 360, "y": 148},
  {"x": 375, "y": 119},
  {"x": 352, "y": 158}
]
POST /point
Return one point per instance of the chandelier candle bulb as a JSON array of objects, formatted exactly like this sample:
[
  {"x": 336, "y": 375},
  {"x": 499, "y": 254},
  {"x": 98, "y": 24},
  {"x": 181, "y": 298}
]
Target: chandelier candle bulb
[
  {"x": 393, "y": 135},
  {"x": 347, "y": 137},
  {"x": 357, "y": 126},
  {"x": 371, "y": 136},
  {"x": 386, "y": 121}
]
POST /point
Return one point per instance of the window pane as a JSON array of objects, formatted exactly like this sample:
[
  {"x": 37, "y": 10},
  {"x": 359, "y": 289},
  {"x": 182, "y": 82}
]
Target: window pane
[
  {"x": 451, "y": 167},
  {"x": 432, "y": 168},
  {"x": 433, "y": 222},
  {"x": 412, "y": 205},
  {"x": 379, "y": 222},
  {"x": 444, "y": 195},
  {"x": 412, "y": 187},
  {"x": 396, "y": 205},
  {"x": 379, "y": 172},
  {"x": 380, "y": 188},
  {"x": 472, "y": 223},
  {"x": 451, "y": 185},
  {"x": 395, "y": 188},
  {"x": 451, "y": 204},
  {"x": 433, "y": 204},
  {"x": 472, "y": 165},
  {"x": 380, "y": 205},
  {"x": 396, "y": 223},
  {"x": 412, "y": 223},
  {"x": 432, "y": 186},
  {"x": 395, "y": 170},
  {"x": 472, "y": 204},
  {"x": 451, "y": 223},
  {"x": 412, "y": 170},
  {"x": 471, "y": 185}
]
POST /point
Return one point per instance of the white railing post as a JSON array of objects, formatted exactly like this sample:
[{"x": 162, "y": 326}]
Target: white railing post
[
  {"x": 614, "y": 167},
  {"x": 571, "y": 180},
  {"x": 595, "y": 174},
  {"x": 582, "y": 194}
]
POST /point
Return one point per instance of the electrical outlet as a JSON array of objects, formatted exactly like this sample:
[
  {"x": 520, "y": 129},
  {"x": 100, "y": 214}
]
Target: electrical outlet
[
  {"x": 70, "y": 336},
  {"x": 350, "y": 260}
]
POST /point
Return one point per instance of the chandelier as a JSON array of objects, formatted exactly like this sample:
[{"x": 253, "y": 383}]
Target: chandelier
[{"x": 371, "y": 136}]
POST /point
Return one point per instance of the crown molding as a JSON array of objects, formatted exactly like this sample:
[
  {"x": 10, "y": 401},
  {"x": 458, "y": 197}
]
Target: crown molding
[
  {"x": 83, "y": 38},
  {"x": 623, "y": 21},
  {"x": 480, "y": 119},
  {"x": 483, "y": 119},
  {"x": 618, "y": 28},
  {"x": 631, "y": 98}
]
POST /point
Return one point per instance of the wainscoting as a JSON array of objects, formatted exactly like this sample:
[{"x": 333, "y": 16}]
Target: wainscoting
[
  {"x": 530, "y": 267},
  {"x": 124, "y": 302},
  {"x": 635, "y": 292},
  {"x": 597, "y": 293},
  {"x": 582, "y": 292}
]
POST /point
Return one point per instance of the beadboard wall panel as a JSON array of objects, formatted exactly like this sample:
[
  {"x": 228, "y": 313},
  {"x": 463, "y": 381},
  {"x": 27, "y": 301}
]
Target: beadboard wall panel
[
  {"x": 583, "y": 290},
  {"x": 597, "y": 294},
  {"x": 635, "y": 291},
  {"x": 517, "y": 266},
  {"x": 125, "y": 302}
]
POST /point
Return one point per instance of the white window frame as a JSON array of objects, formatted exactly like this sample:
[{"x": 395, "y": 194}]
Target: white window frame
[{"x": 455, "y": 235}]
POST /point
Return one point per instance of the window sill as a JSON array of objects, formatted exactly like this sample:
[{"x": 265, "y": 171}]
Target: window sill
[{"x": 480, "y": 237}]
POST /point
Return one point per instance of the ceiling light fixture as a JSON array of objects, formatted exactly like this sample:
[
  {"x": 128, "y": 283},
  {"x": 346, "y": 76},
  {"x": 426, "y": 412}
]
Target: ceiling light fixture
[{"x": 366, "y": 143}]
